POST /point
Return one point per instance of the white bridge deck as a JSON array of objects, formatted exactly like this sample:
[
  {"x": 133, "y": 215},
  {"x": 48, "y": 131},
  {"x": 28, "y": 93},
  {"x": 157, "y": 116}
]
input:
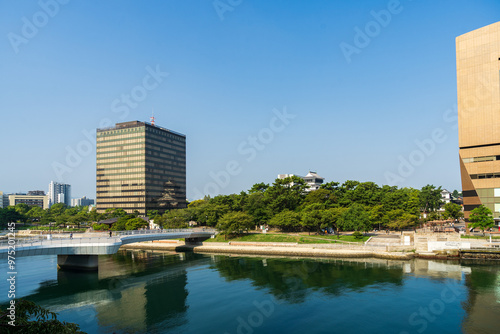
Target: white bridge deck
[{"x": 95, "y": 244}]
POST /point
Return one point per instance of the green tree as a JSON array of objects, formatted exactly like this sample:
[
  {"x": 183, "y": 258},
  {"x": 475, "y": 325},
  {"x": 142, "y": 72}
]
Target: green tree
[
  {"x": 33, "y": 319},
  {"x": 453, "y": 211},
  {"x": 152, "y": 214},
  {"x": 481, "y": 217},
  {"x": 211, "y": 213},
  {"x": 115, "y": 212},
  {"x": 430, "y": 198},
  {"x": 100, "y": 227},
  {"x": 356, "y": 218},
  {"x": 35, "y": 213},
  {"x": 94, "y": 215},
  {"x": 312, "y": 217},
  {"x": 257, "y": 206},
  {"x": 333, "y": 217},
  {"x": 121, "y": 224},
  {"x": 57, "y": 209},
  {"x": 258, "y": 187},
  {"x": 286, "y": 220},
  {"x": 174, "y": 219},
  {"x": 235, "y": 223},
  {"x": 400, "y": 219},
  {"x": 378, "y": 215},
  {"x": 22, "y": 208},
  {"x": 456, "y": 194},
  {"x": 320, "y": 196},
  {"x": 366, "y": 193},
  {"x": 135, "y": 224},
  {"x": 286, "y": 193},
  {"x": 10, "y": 214}
]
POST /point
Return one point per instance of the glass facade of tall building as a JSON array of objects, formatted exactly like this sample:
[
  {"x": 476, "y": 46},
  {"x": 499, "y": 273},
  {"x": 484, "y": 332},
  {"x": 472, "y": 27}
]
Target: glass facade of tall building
[
  {"x": 478, "y": 85},
  {"x": 140, "y": 167}
]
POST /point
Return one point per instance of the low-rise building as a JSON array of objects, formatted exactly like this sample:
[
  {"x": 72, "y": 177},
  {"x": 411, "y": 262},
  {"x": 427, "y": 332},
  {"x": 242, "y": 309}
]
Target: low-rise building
[
  {"x": 446, "y": 196},
  {"x": 312, "y": 179},
  {"x": 31, "y": 200},
  {"x": 83, "y": 201}
]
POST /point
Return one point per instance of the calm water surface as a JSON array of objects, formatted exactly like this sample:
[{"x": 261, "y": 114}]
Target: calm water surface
[{"x": 161, "y": 292}]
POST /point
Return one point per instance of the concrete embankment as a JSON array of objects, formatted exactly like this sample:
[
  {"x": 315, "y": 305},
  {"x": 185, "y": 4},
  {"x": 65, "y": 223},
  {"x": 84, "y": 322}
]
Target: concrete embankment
[{"x": 304, "y": 250}]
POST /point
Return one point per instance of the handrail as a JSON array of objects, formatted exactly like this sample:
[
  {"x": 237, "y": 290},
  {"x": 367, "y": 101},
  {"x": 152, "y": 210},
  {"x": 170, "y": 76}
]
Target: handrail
[{"x": 102, "y": 237}]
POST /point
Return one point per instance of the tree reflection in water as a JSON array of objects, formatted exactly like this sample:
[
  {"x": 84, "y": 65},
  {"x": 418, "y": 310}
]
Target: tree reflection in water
[{"x": 291, "y": 280}]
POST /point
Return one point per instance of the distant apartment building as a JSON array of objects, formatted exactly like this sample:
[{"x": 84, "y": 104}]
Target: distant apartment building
[
  {"x": 140, "y": 166},
  {"x": 31, "y": 200},
  {"x": 59, "y": 193},
  {"x": 4, "y": 200},
  {"x": 84, "y": 201},
  {"x": 312, "y": 179},
  {"x": 478, "y": 88}
]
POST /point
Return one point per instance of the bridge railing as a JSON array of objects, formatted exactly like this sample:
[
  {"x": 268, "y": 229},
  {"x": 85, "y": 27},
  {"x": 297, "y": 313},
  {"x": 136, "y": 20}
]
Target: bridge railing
[
  {"x": 44, "y": 241},
  {"x": 92, "y": 237}
]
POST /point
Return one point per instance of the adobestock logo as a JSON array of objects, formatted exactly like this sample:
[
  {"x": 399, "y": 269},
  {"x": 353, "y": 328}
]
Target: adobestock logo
[
  {"x": 249, "y": 149},
  {"x": 223, "y": 6},
  {"x": 371, "y": 30},
  {"x": 121, "y": 106},
  {"x": 31, "y": 27}
]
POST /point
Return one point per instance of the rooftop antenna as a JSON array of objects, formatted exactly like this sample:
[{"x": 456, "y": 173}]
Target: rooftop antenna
[{"x": 152, "y": 118}]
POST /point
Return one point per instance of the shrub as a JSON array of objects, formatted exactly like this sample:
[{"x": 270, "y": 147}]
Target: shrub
[
  {"x": 100, "y": 227},
  {"x": 357, "y": 235}
]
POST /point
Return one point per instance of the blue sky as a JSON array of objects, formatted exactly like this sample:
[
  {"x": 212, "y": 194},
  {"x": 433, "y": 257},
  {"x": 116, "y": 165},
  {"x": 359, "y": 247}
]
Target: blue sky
[{"x": 382, "y": 111}]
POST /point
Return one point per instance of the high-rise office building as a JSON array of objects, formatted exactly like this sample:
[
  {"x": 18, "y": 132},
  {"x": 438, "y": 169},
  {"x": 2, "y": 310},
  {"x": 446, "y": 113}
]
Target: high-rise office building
[
  {"x": 140, "y": 167},
  {"x": 478, "y": 87},
  {"x": 59, "y": 193}
]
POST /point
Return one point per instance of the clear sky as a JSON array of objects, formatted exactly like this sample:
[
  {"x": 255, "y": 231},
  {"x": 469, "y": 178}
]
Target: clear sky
[{"x": 354, "y": 90}]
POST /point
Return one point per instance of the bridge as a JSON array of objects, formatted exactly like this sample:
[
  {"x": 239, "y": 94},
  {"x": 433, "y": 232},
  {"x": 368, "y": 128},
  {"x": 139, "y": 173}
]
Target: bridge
[{"x": 80, "y": 253}]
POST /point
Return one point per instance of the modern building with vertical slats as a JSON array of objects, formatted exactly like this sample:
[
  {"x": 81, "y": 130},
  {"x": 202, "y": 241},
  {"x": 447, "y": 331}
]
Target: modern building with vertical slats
[
  {"x": 478, "y": 88},
  {"x": 140, "y": 166}
]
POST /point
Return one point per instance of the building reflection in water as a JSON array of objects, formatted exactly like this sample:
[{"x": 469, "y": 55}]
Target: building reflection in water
[{"x": 147, "y": 291}]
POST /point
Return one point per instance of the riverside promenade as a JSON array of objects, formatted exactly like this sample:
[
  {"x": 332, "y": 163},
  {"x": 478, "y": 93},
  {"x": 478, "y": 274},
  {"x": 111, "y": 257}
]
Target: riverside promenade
[
  {"x": 394, "y": 246},
  {"x": 278, "y": 249}
]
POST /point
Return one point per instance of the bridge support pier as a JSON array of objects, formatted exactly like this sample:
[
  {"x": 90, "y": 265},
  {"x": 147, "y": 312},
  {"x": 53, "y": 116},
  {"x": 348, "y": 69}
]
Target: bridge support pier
[
  {"x": 195, "y": 241},
  {"x": 77, "y": 262}
]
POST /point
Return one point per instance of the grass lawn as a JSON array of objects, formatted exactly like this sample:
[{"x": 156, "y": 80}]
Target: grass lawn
[
  {"x": 302, "y": 239},
  {"x": 342, "y": 237}
]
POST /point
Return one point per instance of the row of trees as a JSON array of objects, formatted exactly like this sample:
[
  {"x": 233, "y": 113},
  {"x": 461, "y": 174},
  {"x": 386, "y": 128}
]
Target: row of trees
[
  {"x": 60, "y": 214},
  {"x": 286, "y": 204}
]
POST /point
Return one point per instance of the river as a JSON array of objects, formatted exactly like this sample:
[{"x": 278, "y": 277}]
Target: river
[{"x": 163, "y": 292}]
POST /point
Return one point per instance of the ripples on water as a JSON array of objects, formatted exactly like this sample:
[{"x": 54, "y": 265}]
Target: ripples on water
[{"x": 161, "y": 292}]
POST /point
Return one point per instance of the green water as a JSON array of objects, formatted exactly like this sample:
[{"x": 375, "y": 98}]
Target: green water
[{"x": 160, "y": 292}]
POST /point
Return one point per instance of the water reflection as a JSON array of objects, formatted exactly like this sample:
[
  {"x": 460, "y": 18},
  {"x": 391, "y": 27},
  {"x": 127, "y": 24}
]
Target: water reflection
[
  {"x": 292, "y": 280},
  {"x": 131, "y": 292},
  {"x": 483, "y": 302},
  {"x": 145, "y": 291}
]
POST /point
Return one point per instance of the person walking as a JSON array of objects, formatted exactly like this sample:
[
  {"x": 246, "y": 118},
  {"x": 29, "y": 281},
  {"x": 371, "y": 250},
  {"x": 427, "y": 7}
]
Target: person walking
[
  {"x": 110, "y": 234},
  {"x": 71, "y": 235}
]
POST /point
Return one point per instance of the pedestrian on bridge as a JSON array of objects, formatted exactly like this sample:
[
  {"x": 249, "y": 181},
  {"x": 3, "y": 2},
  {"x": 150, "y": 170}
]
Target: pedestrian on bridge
[
  {"x": 110, "y": 233},
  {"x": 71, "y": 235}
]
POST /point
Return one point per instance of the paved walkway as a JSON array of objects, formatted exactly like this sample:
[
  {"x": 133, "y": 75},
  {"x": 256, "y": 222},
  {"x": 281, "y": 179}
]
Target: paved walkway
[{"x": 303, "y": 250}]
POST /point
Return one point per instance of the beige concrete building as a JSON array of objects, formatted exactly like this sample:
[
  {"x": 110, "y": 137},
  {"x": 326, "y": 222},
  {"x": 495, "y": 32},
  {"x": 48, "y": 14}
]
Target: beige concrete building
[
  {"x": 31, "y": 200},
  {"x": 478, "y": 88}
]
